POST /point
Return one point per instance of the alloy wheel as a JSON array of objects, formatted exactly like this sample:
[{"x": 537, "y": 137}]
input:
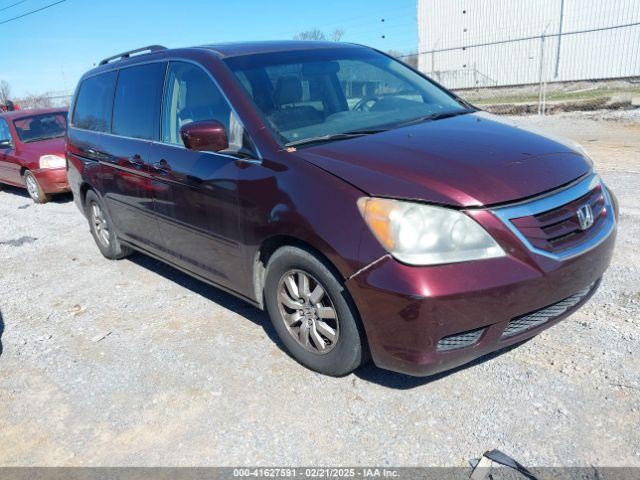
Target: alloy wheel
[
  {"x": 99, "y": 223},
  {"x": 308, "y": 312},
  {"x": 32, "y": 186}
]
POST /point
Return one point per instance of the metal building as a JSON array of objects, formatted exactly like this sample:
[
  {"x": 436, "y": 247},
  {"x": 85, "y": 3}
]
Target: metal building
[{"x": 483, "y": 43}]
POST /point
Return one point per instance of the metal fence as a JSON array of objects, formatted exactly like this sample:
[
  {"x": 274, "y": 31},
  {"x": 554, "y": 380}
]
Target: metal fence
[
  {"x": 534, "y": 56},
  {"x": 45, "y": 100}
]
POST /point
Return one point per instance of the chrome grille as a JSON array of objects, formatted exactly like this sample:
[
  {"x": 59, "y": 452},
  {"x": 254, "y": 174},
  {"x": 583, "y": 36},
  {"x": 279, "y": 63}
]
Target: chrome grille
[
  {"x": 538, "y": 317},
  {"x": 459, "y": 340},
  {"x": 558, "y": 229},
  {"x": 549, "y": 225}
]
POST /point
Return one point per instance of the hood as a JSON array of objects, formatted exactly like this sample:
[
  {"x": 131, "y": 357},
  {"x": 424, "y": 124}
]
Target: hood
[
  {"x": 469, "y": 160},
  {"x": 53, "y": 146}
]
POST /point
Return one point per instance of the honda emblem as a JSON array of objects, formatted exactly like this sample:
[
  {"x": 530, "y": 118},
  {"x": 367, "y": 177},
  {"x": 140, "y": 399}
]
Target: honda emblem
[{"x": 585, "y": 217}]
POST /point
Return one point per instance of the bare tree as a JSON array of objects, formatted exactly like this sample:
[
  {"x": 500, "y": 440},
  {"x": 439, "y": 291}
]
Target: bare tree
[
  {"x": 317, "y": 34},
  {"x": 409, "y": 59},
  {"x": 314, "y": 34},
  {"x": 35, "y": 101},
  {"x": 5, "y": 91}
]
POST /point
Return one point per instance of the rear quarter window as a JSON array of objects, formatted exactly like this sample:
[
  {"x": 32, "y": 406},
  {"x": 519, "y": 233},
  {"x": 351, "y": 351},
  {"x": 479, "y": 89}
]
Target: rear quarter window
[{"x": 94, "y": 103}]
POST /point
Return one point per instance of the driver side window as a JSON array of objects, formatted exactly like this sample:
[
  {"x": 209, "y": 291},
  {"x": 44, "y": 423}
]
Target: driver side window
[
  {"x": 190, "y": 96},
  {"x": 5, "y": 134}
]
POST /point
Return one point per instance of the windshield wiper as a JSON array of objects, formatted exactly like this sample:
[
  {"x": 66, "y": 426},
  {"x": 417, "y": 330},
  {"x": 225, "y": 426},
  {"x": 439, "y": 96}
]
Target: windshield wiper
[
  {"x": 359, "y": 133},
  {"x": 436, "y": 116},
  {"x": 334, "y": 136},
  {"x": 39, "y": 139}
]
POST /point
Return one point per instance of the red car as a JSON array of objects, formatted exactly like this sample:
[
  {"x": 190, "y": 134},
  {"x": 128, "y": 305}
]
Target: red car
[
  {"x": 32, "y": 151},
  {"x": 9, "y": 106}
]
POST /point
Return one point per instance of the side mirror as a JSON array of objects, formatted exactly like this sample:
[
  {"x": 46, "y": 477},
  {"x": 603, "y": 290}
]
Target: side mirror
[
  {"x": 5, "y": 144},
  {"x": 205, "y": 136}
]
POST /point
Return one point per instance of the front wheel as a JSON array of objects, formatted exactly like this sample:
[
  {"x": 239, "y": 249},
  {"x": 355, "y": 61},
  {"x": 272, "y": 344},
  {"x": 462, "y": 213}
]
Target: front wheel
[
  {"x": 36, "y": 192},
  {"x": 312, "y": 313},
  {"x": 102, "y": 229}
]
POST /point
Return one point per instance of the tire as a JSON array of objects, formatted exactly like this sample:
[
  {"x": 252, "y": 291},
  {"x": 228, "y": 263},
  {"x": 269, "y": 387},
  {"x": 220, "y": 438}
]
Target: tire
[
  {"x": 102, "y": 228},
  {"x": 34, "y": 189},
  {"x": 336, "y": 357}
]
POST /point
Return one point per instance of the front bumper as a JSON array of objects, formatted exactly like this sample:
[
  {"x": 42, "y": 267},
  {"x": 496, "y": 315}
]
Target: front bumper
[
  {"x": 407, "y": 310},
  {"x": 52, "y": 180}
]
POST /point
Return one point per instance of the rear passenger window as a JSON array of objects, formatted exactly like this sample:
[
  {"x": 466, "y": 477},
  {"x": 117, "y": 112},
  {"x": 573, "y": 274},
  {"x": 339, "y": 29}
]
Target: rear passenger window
[
  {"x": 95, "y": 99},
  {"x": 136, "y": 108}
]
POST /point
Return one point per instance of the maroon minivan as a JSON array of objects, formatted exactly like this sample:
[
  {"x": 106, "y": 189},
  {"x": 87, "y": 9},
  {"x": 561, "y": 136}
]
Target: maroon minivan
[{"x": 370, "y": 211}]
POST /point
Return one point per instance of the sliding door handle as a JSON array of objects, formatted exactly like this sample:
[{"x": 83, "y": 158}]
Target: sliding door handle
[
  {"x": 136, "y": 161},
  {"x": 162, "y": 167}
]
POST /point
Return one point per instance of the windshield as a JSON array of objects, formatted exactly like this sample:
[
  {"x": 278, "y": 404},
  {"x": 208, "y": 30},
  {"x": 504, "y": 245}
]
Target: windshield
[
  {"x": 308, "y": 94},
  {"x": 41, "y": 127}
]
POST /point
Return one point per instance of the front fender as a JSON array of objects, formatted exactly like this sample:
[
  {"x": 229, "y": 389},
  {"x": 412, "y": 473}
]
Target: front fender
[{"x": 295, "y": 201}]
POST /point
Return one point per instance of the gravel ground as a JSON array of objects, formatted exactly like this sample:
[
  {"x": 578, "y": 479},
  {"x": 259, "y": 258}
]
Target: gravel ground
[{"x": 133, "y": 363}]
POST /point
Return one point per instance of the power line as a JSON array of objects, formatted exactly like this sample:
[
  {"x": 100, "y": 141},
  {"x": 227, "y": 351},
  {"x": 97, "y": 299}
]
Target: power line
[
  {"x": 522, "y": 39},
  {"x": 379, "y": 26},
  {"x": 32, "y": 12},
  {"x": 373, "y": 17},
  {"x": 376, "y": 19},
  {"x": 12, "y": 5}
]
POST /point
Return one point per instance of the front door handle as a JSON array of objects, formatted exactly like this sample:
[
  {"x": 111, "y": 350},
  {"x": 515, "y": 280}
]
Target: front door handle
[
  {"x": 162, "y": 167},
  {"x": 136, "y": 161}
]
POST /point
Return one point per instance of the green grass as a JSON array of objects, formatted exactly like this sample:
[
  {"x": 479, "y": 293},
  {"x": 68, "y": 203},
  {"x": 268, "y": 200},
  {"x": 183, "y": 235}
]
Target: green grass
[{"x": 553, "y": 96}]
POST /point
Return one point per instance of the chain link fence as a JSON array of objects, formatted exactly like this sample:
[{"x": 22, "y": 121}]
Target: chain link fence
[
  {"x": 45, "y": 100},
  {"x": 534, "y": 56}
]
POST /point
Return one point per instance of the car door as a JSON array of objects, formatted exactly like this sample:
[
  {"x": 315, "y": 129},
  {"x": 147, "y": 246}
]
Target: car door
[
  {"x": 9, "y": 169},
  {"x": 125, "y": 177},
  {"x": 195, "y": 192}
]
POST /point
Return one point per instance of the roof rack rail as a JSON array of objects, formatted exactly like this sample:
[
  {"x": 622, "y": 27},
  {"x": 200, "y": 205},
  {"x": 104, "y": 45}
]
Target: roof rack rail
[{"x": 121, "y": 56}]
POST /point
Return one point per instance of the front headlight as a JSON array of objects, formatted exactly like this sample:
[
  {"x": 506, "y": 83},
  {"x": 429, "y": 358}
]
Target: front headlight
[
  {"x": 426, "y": 235},
  {"x": 52, "y": 161}
]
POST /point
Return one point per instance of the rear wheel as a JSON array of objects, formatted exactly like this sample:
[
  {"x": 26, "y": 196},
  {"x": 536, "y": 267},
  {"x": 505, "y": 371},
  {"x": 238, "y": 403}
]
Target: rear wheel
[
  {"x": 312, "y": 313},
  {"x": 33, "y": 187},
  {"x": 102, "y": 229}
]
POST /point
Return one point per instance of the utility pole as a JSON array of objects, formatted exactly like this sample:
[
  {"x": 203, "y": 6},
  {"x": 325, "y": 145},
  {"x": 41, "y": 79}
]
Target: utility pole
[
  {"x": 557, "y": 67},
  {"x": 541, "y": 76}
]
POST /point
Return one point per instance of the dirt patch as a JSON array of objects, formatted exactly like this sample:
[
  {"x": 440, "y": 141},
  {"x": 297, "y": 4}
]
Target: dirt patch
[{"x": 18, "y": 242}]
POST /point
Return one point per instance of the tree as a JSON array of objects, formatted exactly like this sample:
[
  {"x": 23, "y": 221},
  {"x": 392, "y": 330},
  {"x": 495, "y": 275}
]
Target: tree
[
  {"x": 409, "y": 59},
  {"x": 36, "y": 101},
  {"x": 337, "y": 34},
  {"x": 5, "y": 91},
  {"x": 316, "y": 34}
]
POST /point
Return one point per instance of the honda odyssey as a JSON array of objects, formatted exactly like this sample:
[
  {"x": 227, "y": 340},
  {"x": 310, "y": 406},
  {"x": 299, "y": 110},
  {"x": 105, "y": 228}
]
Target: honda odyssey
[{"x": 371, "y": 212}]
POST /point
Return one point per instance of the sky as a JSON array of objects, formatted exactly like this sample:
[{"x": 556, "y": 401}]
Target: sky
[{"x": 49, "y": 50}]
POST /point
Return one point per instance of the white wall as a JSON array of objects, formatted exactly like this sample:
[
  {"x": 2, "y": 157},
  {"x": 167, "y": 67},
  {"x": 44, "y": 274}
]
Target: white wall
[{"x": 446, "y": 24}]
